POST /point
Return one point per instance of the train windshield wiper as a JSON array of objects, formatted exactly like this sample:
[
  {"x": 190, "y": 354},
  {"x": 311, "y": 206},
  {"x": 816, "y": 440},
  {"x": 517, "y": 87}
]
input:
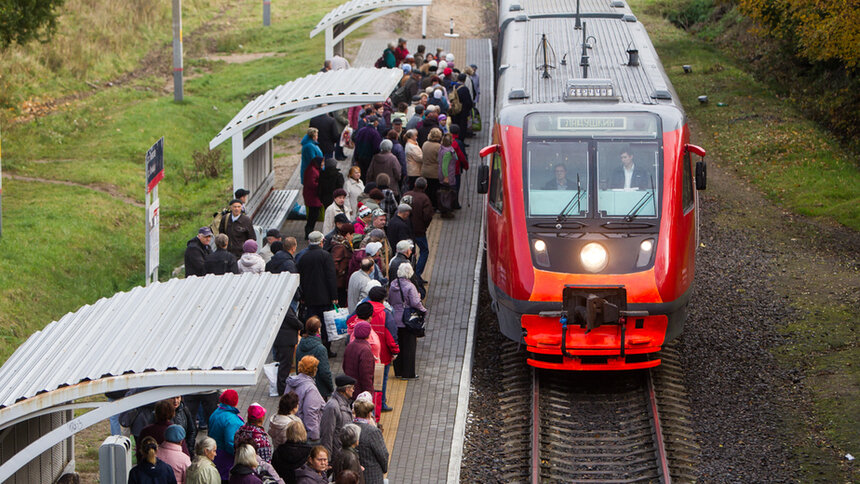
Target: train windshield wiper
[
  {"x": 562, "y": 216},
  {"x": 649, "y": 196}
]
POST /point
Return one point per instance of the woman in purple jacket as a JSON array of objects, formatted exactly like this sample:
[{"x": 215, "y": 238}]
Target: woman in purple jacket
[{"x": 403, "y": 294}]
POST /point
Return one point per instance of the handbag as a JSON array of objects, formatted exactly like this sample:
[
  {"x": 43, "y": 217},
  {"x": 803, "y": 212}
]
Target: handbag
[
  {"x": 335, "y": 323},
  {"x": 378, "y": 376},
  {"x": 413, "y": 319},
  {"x": 476, "y": 120}
]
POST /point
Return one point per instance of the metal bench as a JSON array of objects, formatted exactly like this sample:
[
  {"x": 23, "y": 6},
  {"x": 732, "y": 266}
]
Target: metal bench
[{"x": 273, "y": 213}]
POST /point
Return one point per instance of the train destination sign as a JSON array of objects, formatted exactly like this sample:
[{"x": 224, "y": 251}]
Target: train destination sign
[
  {"x": 154, "y": 165},
  {"x": 591, "y": 123}
]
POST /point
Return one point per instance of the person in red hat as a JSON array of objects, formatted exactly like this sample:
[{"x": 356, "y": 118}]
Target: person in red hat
[
  {"x": 223, "y": 424},
  {"x": 253, "y": 430}
]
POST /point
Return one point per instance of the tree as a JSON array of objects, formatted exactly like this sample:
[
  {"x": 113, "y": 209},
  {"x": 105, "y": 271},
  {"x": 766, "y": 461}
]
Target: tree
[{"x": 24, "y": 20}]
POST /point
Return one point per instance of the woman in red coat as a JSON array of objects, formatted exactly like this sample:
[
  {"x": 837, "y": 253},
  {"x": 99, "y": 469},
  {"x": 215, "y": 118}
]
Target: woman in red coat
[{"x": 310, "y": 193}]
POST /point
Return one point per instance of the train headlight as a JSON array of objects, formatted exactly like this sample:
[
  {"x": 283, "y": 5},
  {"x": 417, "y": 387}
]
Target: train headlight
[
  {"x": 594, "y": 257},
  {"x": 645, "y": 250},
  {"x": 541, "y": 255}
]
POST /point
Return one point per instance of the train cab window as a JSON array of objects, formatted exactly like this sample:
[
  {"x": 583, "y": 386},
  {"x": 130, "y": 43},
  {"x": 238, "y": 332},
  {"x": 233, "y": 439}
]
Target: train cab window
[
  {"x": 628, "y": 176},
  {"x": 557, "y": 177},
  {"x": 687, "y": 188},
  {"x": 495, "y": 195}
]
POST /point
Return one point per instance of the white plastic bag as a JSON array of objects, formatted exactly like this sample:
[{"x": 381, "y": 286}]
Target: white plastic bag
[
  {"x": 335, "y": 323},
  {"x": 271, "y": 371}
]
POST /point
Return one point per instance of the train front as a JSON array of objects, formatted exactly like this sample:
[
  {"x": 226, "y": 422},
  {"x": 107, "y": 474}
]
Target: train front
[{"x": 591, "y": 233}]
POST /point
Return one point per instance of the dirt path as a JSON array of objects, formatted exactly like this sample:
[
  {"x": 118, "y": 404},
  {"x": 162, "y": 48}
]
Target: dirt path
[{"x": 106, "y": 188}]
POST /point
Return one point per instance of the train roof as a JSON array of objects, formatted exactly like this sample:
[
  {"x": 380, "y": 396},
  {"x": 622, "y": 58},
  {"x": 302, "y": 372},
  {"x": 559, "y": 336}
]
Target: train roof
[
  {"x": 510, "y": 9},
  {"x": 612, "y": 31}
]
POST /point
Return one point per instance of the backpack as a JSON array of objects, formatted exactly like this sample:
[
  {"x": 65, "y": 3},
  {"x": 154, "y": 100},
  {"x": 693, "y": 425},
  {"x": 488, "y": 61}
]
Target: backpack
[
  {"x": 455, "y": 106},
  {"x": 399, "y": 95},
  {"x": 380, "y": 63},
  {"x": 389, "y": 203}
]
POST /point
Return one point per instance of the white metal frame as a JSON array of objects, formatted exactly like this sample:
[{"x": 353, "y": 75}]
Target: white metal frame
[{"x": 357, "y": 13}]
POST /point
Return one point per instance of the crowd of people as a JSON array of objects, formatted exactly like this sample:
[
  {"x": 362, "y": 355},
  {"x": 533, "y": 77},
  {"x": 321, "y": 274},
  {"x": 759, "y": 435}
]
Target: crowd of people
[{"x": 369, "y": 257}]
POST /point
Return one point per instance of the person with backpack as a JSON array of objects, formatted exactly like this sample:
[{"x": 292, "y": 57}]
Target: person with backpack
[{"x": 389, "y": 59}]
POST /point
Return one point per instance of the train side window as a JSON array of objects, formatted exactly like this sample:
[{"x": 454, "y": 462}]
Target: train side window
[
  {"x": 496, "y": 198},
  {"x": 687, "y": 188}
]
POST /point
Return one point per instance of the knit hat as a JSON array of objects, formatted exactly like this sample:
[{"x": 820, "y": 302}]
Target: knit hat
[
  {"x": 372, "y": 248},
  {"x": 277, "y": 246},
  {"x": 250, "y": 245},
  {"x": 364, "y": 310},
  {"x": 376, "y": 194},
  {"x": 364, "y": 397},
  {"x": 343, "y": 381},
  {"x": 433, "y": 63},
  {"x": 447, "y": 71},
  {"x": 362, "y": 330},
  {"x": 256, "y": 411},
  {"x": 437, "y": 94},
  {"x": 377, "y": 294},
  {"x": 449, "y": 57},
  {"x": 229, "y": 397},
  {"x": 378, "y": 233},
  {"x": 443, "y": 65},
  {"x": 315, "y": 237},
  {"x": 204, "y": 231},
  {"x": 175, "y": 434},
  {"x": 339, "y": 192},
  {"x": 364, "y": 211},
  {"x": 406, "y": 68}
]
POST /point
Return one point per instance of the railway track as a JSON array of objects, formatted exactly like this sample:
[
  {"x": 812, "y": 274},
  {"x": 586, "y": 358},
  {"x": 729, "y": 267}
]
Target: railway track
[{"x": 596, "y": 427}]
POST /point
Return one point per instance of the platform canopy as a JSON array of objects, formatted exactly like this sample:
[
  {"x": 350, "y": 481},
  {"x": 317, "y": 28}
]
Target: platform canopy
[
  {"x": 300, "y": 100},
  {"x": 355, "y": 13},
  {"x": 172, "y": 338}
]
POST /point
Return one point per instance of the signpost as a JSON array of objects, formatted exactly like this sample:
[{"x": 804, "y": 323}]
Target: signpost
[
  {"x": 154, "y": 167},
  {"x": 177, "y": 51},
  {"x": 1, "y": 186}
]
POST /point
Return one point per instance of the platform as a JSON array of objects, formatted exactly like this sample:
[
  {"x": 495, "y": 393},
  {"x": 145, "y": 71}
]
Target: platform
[{"x": 426, "y": 427}]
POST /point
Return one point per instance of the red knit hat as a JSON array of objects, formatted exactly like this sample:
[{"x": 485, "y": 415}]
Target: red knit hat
[{"x": 229, "y": 397}]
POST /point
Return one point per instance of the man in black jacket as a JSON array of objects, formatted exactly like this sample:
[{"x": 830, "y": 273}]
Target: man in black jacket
[
  {"x": 221, "y": 262},
  {"x": 283, "y": 260},
  {"x": 328, "y": 133},
  {"x": 318, "y": 281},
  {"x": 196, "y": 251},
  {"x": 400, "y": 226}
]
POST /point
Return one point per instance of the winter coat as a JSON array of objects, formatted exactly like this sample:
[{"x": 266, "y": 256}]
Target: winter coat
[
  {"x": 242, "y": 474},
  {"x": 348, "y": 459},
  {"x": 367, "y": 141},
  {"x": 372, "y": 453},
  {"x": 330, "y": 180},
  {"x": 195, "y": 257},
  {"x": 288, "y": 457},
  {"x": 202, "y": 471},
  {"x": 422, "y": 212},
  {"x": 288, "y": 333},
  {"x": 260, "y": 437},
  {"x": 389, "y": 345},
  {"x": 310, "y": 186},
  {"x": 341, "y": 253},
  {"x": 390, "y": 58},
  {"x": 146, "y": 473},
  {"x": 223, "y": 424},
  {"x": 403, "y": 294},
  {"x": 156, "y": 431},
  {"x": 318, "y": 279},
  {"x": 447, "y": 159},
  {"x": 330, "y": 212},
  {"x": 353, "y": 188},
  {"x": 251, "y": 262},
  {"x": 336, "y": 413},
  {"x": 278, "y": 428},
  {"x": 355, "y": 291},
  {"x": 184, "y": 419},
  {"x": 385, "y": 162},
  {"x": 221, "y": 262},
  {"x": 400, "y": 152},
  {"x": 310, "y": 403},
  {"x": 310, "y": 150},
  {"x": 172, "y": 455},
  {"x": 358, "y": 362},
  {"x": 399, "y": 229},
  {"x": 328, "y": 133},
  {"x": 414, "y": 158},
  {"x": 237, "y": 232},
  {"x": 312, "y": 345},
  {"x": 430, "y": 162},
  {"x": 426, "y": 125},
  {"x": 283, "y": 261},
  {"x": 306, "y": 475}
]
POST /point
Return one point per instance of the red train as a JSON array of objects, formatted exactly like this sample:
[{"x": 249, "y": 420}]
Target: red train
[{"x": 591, "y": 213}]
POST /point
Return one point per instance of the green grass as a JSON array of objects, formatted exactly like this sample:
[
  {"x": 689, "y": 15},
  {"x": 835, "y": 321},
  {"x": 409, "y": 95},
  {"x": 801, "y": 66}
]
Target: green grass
[
  {"x": 794, "y": 161},
  {"x": 67, "y": 246}
]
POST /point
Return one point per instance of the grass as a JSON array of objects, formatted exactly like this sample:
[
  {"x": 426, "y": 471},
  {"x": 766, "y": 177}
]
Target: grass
[
  {"x": 802, "y": 168},
  {"x": 67, "y": 246}
]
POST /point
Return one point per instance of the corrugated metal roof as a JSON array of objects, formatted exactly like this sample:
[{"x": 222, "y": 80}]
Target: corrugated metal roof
[
  {"x": 355, "y": 8},
  {"x": 219, "y": 323},
  {"x": 560, "y": 7},
  {"x": 357, "y": 86},
  {"x": 607, "y": 59}
]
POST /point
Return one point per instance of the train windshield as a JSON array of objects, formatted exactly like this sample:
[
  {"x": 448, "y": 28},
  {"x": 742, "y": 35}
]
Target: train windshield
[{"x": 593, "y": 166}]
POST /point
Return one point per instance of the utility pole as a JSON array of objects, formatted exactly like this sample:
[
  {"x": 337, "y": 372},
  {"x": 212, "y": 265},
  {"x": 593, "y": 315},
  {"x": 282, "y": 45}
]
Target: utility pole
[
  {"x": 177, "y": 50},
  {"x": 267, "y": 13},
  {"x": 1, "y": 186}
]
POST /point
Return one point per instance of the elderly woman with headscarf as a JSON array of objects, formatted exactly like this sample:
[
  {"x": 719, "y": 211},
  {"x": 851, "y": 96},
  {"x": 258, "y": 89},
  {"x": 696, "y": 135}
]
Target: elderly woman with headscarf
[
  {"x": 358, "y": 359},
  {"x": 403, "y": 294},
  {"x": 251, "y": 261},
  {"x": 203, "y": 470},
  {"x": 385, "y": 162},
  {"x": 253, "y": 431}
]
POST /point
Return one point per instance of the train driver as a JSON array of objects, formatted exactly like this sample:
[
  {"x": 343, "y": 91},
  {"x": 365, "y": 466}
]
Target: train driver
[
  {"x": 628, "y": 175},
  {"x": 561, "y": 181}
]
